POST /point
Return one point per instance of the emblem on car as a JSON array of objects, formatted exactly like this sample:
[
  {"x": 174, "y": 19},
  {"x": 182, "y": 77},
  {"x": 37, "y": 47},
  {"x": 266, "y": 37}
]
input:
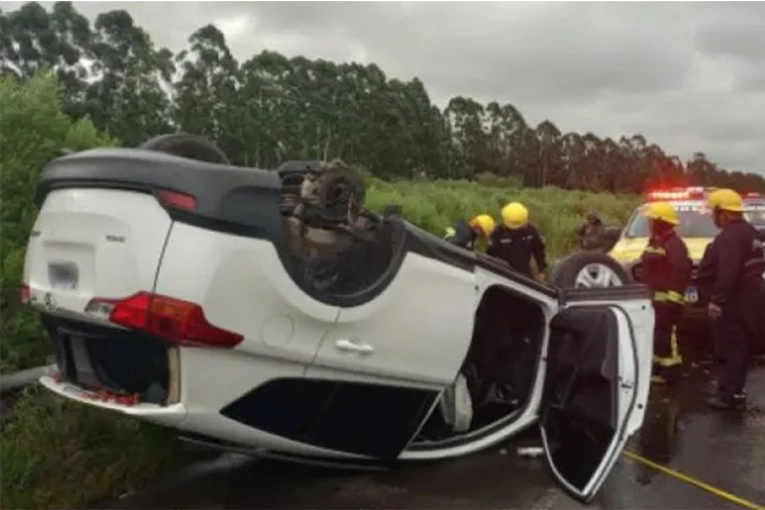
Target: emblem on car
[{"x": 50, "y": 302}]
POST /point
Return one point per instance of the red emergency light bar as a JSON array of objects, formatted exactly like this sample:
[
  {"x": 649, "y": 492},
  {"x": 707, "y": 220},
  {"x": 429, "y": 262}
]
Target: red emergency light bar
[
  {"x": 677, "y": 194},
  {"x": 668, "y": 195}
]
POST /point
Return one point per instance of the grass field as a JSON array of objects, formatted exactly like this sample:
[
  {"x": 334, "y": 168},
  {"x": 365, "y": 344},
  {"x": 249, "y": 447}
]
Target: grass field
[
  {"x": 435, "y": 205},
  {"x": 59, "y": 454}
]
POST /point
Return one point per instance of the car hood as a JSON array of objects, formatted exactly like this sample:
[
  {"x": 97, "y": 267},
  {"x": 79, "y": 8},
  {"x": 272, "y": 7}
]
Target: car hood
[{"x": 627, "y": 251}]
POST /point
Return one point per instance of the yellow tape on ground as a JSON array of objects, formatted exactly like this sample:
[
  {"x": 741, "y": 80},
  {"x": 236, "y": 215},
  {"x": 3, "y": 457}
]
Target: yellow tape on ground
[{"x": 698, "y": 483}]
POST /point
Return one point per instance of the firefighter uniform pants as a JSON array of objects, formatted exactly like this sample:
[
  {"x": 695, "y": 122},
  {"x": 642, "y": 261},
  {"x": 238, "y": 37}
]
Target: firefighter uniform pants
[
  {"x": 665, "y": 350},
  {"x": 737, "y": 333}
]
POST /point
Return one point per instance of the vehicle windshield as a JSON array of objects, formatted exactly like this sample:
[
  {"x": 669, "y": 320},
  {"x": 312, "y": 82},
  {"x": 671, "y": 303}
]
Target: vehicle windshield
[
  {"x": 755, "y": 214},
  {"x": 695, "y": 221}
]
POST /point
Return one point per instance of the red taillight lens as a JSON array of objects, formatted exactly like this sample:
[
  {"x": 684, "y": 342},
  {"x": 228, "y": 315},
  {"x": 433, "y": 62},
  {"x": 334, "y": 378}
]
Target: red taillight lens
[
  {"x": 132, "y": 312},
  {"x": 24, "y": 294},
  {"x": 176, "y": 200},
  {"x": 172, "y": 319}
]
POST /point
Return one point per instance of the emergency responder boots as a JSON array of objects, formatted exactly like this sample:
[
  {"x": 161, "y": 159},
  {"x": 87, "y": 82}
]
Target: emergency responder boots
[{"x": 725, "y": 402}]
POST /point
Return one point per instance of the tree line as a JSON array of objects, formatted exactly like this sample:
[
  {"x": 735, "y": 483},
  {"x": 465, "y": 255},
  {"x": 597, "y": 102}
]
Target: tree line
[{"x": 271, "y": 108}]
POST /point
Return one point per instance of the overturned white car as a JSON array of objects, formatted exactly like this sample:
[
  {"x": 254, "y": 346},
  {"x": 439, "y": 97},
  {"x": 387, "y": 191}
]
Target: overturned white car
[{"x": 268, "y": 312}]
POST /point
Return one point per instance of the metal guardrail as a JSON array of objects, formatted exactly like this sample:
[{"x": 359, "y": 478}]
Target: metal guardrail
[{"x": 18, "y": 380}]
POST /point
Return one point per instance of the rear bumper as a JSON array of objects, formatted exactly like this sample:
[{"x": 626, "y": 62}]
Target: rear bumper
[
  {"x": 171, "y": 415},
  {"x": 96, "y": 358}
]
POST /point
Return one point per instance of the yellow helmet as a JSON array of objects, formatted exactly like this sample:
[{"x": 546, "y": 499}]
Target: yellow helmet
[
  {"x": 514, "y": 215},
  {"x": 485, "y": 224},
  {"x": 661, "y": 211},
  {"x": 725, "y": 199}
]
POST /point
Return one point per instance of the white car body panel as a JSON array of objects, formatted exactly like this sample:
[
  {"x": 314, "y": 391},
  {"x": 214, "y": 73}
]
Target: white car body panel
[
  {"x": 418, "y": 330},
  {"x": 242, "y": 286},
  {"x": 113, "y": 238}
]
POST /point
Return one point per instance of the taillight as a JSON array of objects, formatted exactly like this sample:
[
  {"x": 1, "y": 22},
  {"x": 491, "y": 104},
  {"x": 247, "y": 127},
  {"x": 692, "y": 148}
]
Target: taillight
[
  {"x": 174, "y": 320},
  {"x": 176, "y": 200},
  {"x": 24, "y": 294}
]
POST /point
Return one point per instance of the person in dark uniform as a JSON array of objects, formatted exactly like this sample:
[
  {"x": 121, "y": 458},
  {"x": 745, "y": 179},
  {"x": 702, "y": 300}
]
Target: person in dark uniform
[
  {"x": 731, "y": 282},
  {"x": 516, "y": 242},
  {"x": 667, "y": 272},
  {"x": 590, "y": 234},
  {"x": 466, "y": 233}
]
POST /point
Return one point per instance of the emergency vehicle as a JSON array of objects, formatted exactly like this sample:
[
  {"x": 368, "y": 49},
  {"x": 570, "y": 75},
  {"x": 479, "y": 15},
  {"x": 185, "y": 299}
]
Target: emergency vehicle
[{"x": 696, "y": 229}]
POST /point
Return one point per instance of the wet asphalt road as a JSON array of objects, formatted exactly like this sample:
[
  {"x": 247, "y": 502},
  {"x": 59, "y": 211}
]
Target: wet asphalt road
[{"x": 722, "y": 449}]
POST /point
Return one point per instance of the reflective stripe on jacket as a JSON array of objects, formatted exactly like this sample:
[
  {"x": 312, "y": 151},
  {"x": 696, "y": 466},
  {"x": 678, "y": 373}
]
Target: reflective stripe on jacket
[{"x": 667, "y": 267}]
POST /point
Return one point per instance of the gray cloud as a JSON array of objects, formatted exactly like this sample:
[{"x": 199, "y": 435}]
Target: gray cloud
[{"x": 688, "y": 76}]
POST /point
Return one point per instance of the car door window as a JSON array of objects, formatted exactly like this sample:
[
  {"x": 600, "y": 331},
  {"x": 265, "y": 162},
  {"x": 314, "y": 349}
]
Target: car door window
[{"x": 593, "y": 391}]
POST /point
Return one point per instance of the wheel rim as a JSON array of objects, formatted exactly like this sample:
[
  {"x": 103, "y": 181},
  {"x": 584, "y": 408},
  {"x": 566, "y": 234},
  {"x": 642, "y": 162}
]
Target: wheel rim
[{"x": 597, "y": 275}]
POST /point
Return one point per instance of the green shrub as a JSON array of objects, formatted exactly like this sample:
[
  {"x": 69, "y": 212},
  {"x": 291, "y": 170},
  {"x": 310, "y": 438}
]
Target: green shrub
[
  {"x": 53, "y": 453},
  {"x": 33, "y": 130}
]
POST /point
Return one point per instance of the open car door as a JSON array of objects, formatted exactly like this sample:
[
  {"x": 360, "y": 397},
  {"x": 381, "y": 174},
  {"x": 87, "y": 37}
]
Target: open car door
[{"x": 597, "y": 383}]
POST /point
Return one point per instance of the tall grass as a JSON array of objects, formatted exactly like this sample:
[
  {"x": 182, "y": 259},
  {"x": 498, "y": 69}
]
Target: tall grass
[{"x": 435, "y": 205}]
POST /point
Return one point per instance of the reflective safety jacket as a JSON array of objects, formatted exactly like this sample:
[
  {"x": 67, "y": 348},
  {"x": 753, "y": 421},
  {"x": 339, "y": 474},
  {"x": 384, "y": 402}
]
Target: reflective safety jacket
[
  {"x": 667, "y": 267},
  {"x": 732, "y": 262}
]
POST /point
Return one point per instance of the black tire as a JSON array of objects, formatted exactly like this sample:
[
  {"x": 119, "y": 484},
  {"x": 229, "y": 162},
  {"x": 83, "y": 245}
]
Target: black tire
[
  {"x": 188, "y": 146},
  {"x": 565, "y": 272}
]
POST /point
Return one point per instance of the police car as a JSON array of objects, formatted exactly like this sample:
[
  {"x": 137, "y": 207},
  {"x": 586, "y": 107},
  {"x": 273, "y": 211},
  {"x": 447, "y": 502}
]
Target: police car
[{"x": 696, "y": 229}]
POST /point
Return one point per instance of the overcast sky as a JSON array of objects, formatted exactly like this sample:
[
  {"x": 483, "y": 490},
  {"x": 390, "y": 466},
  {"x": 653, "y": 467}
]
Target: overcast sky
[{"x": 689, "y": 76}]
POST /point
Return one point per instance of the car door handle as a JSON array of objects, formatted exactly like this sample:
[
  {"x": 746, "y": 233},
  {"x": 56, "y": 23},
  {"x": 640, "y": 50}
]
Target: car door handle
[{"x": 349, "y": 346}]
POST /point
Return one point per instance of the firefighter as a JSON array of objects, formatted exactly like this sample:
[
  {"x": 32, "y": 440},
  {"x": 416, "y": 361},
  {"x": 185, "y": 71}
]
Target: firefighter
[
  {"x": 731, "y": 282},
  {"x": 516, "y": 241},
  {"x": 466, "y": 233},
  {"x": 667, "y": 272},
  {"x": 590, "y": 234}
]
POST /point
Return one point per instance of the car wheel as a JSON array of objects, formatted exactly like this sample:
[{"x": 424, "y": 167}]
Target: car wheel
[
  {"x": 188, "y": 146},
  {"x": 589, "y": 269}
]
